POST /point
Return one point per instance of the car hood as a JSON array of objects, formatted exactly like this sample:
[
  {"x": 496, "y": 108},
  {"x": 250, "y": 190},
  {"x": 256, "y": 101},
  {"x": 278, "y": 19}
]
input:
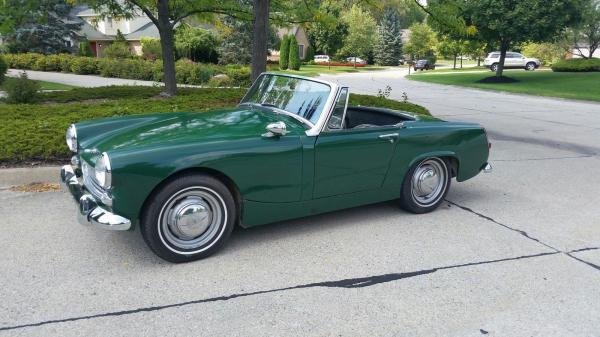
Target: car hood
[{"x": 128, "y": 132}]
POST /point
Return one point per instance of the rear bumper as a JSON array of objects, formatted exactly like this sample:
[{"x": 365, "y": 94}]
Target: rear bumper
[{"x": 90, "y": 213}]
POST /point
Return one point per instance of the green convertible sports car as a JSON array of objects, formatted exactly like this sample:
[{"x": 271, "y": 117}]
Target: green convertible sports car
[{"x": 292, "y": 147}]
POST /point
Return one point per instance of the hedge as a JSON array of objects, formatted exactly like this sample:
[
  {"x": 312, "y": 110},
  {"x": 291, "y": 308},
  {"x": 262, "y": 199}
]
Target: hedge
[
  {"x": 187, "y": 72},
  {"x": 36, "y": 132},
  {"x": 577, "y": 65}
]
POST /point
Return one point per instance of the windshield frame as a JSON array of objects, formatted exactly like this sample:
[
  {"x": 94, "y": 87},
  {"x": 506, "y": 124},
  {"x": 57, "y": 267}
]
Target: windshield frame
[{"x": 313, "y": 128}]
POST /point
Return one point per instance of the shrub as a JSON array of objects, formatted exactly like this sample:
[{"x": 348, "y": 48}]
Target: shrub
[
  {"x": 548, "y": 53},
  {"x": 151, "y": 49},
  {"x": 21, "y": 90},
  {"x": 196, "y": 44},
  {"x": 220, "y": 80},
  {"x": 239, "y": 75},
  {"x": 284, "y": 52},
  {"x": 84, "y": 65},
  {"x": 310, "y": 55},
  {"x": 294, "y": 63},
  {"x": 3, "y": 69},
  {"x": 84, "y": 48},
  {"x": 577, "y": 65}
]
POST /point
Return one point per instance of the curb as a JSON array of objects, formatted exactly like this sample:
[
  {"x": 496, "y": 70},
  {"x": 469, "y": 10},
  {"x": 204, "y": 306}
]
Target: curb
[{"x": 20, "y": 176}]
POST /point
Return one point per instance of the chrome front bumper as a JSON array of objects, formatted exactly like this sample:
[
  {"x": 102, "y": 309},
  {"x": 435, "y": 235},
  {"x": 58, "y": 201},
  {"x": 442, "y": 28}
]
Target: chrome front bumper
[
  {"x": 487, "y": 168},
  {"x": 90, "y": 213}
]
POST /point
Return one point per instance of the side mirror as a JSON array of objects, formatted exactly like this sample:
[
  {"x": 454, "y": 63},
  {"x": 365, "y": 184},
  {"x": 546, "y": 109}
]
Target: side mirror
[{"x": 276, "y": 129}]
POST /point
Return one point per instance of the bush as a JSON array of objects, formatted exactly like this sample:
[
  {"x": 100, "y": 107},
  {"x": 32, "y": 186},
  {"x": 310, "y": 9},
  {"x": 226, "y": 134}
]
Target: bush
[
  {"x": 547, "y": 53},
  {"x": 151, "y": 49},
  {"x": 196, "y": 44},
  {"x": 3, "y": 69},
  {"x": 294, "y": 56},
  {"x": 119, "y": 49},
  {"x": 577, "y": 65},
  {"x": 310, "y": 55},
  {"x": 84, "y": 48},
  {"x": 21, "y": 90},
  {"x": 284, "y": 52},
  {"x": 84, "y": 65}
]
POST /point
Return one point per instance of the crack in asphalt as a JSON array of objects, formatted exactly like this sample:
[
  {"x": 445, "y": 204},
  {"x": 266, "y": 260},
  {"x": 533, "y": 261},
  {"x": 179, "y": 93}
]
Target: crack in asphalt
[
  {"x": 361, "y": 282},
  {"x": 525, "y": 234}
]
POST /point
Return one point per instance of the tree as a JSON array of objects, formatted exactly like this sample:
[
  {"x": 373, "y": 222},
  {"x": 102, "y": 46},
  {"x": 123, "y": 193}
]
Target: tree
[
  {"x": 450, "y": 48},
  {"x": 284, "y": 52},
  {"x": 327, "y": 35},
  {"x": 422, "y": 42},
  {"x": 389, "y": 43},
  {"x": 362, "y": 33},
  {"x": 587, "y": 32},
  {"x": 236, "y": 41},
  {"x": 506, "y": 22},
  {"x": 310, "y": 54},
  {"x": 38, "y": 26},
  {"x": 196, "y": 44},
  {"x": 294, "y": 55},
  {"x": 547, "y": 52},
  {"x": 261, "y": 28}
]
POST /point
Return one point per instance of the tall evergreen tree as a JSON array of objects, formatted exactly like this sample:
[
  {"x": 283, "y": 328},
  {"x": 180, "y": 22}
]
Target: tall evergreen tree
[
  {"x": 389, "y": 45},
  {"x": 294, "y": 63},
  {"x": 284, "y": 52},
  {"x": 44, "y": 28}
]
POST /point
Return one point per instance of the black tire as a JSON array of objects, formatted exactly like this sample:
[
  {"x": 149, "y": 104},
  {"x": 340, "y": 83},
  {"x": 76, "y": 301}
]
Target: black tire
[
  {"x": 494, "y": 67},
  {"x": 409, "y": 202},
  {"x": 159, "y": 233},
  {"x": 530, "y": 66}
]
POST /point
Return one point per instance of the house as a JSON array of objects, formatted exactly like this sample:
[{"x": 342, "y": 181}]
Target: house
[
  {"x": 100, "y": 32},
  {"x": 301, "y": 37}
]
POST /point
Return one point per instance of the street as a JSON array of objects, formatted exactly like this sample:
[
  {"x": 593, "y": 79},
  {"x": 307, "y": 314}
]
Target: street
[{"x": 511, "y": 253}]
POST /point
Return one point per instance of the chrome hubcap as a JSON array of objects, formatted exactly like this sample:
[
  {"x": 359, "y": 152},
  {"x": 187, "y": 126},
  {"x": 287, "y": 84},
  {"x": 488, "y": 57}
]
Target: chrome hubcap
[
  {"x": 189, "y": 218},
  {"x": 192, "y": 219},
  {"x": 429, "y": 182}
]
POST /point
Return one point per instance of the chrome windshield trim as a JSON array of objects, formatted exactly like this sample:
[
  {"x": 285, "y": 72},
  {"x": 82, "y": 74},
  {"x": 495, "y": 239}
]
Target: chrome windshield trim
[
  {"x": 314, "y": 128},
  {"x": 300, "y": 119}
]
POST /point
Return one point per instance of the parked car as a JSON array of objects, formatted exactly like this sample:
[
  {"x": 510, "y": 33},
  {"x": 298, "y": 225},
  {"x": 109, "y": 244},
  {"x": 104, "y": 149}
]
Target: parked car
[
  {"x": 423, "y": 65},
  {"x": 513, "y": 60},
  {"x": 322, "y": 59},
  {"x": 292, "y": 148},
  {"x": 358, "y": 60},
  {"x": 401, "y": 62}
]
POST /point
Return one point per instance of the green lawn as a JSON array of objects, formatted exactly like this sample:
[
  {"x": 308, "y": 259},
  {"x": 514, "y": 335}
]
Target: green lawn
[
  {"x": 36, "y": 132},
  {"x": 43, "y": 85},
  {"x": 312, "y": 70},
  {"x": 584, "y": 86}
]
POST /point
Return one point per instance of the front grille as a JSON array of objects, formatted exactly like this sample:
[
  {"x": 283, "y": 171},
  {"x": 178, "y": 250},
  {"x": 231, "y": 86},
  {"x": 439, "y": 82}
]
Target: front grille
[{"x": 90, "y": 184}]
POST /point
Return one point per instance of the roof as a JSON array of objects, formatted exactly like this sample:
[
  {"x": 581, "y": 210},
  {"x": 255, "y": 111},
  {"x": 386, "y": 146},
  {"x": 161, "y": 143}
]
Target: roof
[
  {"x": 287, "y": 31},
  {"x": 92, "y": 34},
  {"x": 147, "y": 30},
  {"x": 83, "y": 10}
]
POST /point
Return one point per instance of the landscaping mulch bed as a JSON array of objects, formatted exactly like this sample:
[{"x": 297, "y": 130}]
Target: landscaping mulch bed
[{"x": 495, "y": 79}]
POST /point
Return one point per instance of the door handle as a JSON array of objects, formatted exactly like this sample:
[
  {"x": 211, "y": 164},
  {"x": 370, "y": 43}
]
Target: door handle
[{"x": 390, "y": 136}]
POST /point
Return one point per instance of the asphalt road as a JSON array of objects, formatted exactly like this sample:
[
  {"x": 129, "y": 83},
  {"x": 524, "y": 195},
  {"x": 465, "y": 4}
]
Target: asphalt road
[{"x": 513, "y": 253}]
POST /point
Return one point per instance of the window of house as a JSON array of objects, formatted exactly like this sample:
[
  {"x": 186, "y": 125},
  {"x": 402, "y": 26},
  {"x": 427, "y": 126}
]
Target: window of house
[
  {"x": 109, "y": 22},
  {"x": 301, "y": 51}
]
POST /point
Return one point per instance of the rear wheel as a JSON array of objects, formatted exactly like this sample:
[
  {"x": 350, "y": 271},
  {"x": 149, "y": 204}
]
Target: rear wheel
[
  {"x": 425, "y": 185},
  {"x": 189, "y": 218},
  {"x": 530, "y": 66}
]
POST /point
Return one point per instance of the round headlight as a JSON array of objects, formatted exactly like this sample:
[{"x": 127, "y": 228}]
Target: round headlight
[
  {"x": 102, "y": 171},
  {"x": 72, "y": 138}
]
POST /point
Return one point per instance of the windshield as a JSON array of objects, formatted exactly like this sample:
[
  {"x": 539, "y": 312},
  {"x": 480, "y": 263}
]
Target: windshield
[{"x": 298, "y": 96}]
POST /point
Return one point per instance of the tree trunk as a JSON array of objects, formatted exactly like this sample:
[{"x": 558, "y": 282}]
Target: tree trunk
[
  {"x": 503, "y": 48},
  {"x": 454, "y": 67},
  {"x": 165, "y": 31},
  {"x": 461, "y": 58},
  {"x": 261, "y": 30},
  {"x": 479, "y": 61}
]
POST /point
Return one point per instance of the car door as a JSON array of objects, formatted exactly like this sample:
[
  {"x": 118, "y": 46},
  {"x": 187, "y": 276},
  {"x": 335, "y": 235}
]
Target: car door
[
  {"x": 351, "y": 160},
  {"x": 512, "y": 60}
]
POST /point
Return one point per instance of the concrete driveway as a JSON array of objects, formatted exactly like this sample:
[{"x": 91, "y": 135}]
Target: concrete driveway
[{"x": 513, "y": 253}]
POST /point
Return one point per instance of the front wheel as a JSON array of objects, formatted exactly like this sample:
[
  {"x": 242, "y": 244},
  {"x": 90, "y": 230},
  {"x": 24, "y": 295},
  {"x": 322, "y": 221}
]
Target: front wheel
[
  {"x": 425, "y": 185},
  {"x": 188, "y": 218},
  {"x": 494, "y": 67},
  {"x": 530, "y": 66}
]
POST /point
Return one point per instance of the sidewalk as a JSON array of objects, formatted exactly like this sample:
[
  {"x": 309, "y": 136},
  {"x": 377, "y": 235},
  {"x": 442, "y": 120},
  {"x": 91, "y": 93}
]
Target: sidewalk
[{"x": 88, "y": 81}]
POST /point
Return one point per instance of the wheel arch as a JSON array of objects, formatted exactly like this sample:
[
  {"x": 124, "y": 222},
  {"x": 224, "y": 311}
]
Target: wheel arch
[
  {"x": 449, "y": 156},
  {"x": 222, "y": 177}
]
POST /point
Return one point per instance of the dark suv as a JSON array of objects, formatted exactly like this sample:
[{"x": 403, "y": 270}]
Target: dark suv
[{"x": 423, "y": 65}]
